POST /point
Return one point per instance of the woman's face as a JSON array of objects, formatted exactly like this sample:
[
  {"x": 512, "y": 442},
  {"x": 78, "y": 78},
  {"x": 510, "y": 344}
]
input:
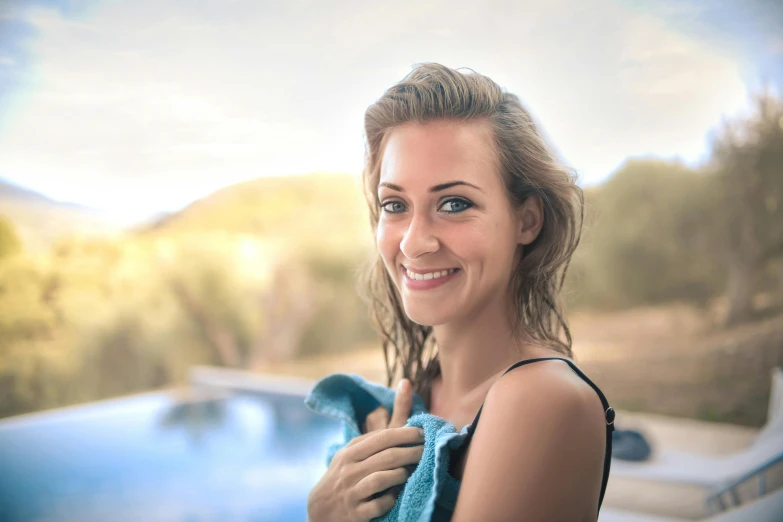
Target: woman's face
[{"x": 444, "y": 210}]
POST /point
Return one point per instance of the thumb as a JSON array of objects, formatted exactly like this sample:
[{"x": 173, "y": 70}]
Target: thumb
[{"x": 403, "y": 401}]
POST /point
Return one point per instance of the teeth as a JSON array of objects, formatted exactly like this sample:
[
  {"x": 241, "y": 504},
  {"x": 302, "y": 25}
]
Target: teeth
[{"x": 431, "y": 275}]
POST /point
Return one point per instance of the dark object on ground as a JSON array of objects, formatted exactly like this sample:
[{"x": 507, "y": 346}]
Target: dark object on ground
[{"x": 630, "y": 445}]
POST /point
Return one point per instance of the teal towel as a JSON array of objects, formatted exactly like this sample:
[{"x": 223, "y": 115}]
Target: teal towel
[{"x": 430, "y": 492}]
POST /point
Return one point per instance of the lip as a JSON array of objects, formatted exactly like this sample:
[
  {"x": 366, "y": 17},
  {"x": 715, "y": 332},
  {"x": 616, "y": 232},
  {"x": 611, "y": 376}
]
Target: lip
[
  {"x": 428, "y": 284},
  {"x": 427, "y": 271}
]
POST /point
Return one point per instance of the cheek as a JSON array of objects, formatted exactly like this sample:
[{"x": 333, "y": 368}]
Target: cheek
[
  {"x": 489, "y": 243},
  {"x": 472, "y": 241},
  {"x": 388, "y": 245}
]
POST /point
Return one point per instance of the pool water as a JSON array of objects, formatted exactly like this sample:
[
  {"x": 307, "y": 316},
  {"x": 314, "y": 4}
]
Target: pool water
[{"x": 165, "y": 457}]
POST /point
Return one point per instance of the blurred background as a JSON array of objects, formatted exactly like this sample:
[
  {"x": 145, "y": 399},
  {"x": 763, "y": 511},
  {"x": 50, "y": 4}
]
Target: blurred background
[{"x": 180, "y": 187}]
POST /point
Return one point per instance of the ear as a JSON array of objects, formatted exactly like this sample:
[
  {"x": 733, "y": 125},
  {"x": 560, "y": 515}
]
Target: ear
[{"x": 530, "y": 219}]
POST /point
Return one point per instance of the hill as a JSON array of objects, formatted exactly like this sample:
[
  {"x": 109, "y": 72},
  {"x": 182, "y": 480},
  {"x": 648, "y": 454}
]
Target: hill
[
  {"x": 40, "y": 220},
  {"x": 314, "y": 210}
]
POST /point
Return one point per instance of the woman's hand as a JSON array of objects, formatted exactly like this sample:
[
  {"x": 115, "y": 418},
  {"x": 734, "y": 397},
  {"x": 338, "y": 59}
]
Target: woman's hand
[
  {"x": 369, "y": 465},
  {"x": 378, "y": 419}
]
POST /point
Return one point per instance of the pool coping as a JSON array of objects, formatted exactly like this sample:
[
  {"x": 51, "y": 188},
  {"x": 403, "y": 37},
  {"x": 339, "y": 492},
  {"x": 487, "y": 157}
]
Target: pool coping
[
  {"x": 244, "y": 380},
  {"x": 215, "y": 378}
]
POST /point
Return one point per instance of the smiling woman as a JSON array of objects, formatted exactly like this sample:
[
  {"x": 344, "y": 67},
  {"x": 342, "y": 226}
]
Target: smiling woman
[
  {"x": 475, "y": 222},
  {"x": 467, "y": 227}
]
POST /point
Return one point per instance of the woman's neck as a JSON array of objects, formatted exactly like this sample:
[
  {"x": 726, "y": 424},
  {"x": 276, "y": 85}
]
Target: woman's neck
[{"x": 474, "y": 352}]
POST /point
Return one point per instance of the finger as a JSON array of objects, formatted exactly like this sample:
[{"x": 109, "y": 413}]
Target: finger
[
  {"x": 378, "y": 419},
  {"x": 403, "y": 402},
  {"x": 360, "y": 438},
  {"x": 380, "y": 481},
  {"x": 380, "y": 440},
  {"x": 354, "y": 441},
  {"x": 376, "y": 507},
  {"x": 392, "y": 458}
]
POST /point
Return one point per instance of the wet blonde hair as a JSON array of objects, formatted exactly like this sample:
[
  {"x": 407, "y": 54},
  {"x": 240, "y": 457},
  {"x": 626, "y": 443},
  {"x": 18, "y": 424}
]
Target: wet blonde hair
[{"x": 528, "y": 167}]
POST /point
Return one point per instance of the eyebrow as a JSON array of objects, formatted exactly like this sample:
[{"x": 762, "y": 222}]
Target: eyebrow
[{"x": 436, "y": 188}]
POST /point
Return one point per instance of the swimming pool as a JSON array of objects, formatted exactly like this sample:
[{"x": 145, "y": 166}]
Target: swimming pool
[{"x": 187, "y": 455}]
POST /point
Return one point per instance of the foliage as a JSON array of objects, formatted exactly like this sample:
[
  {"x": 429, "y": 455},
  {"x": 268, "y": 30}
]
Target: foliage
[
  {"x": 644, "y": 239},
  {"x": 319, "y": 211},
  {"x": 27, "y": 323},
  {"x": 657, "y": 231},
  {"x": 97, "y": 318},
  {"x": 747, "y": 215},
  {"x": 10, "y": 244},
  {"x": 340, "y": 321}
]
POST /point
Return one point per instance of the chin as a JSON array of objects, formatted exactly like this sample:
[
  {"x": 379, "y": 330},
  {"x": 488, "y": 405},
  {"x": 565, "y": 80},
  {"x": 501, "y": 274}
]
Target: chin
[{"x": 426, "y": 317}]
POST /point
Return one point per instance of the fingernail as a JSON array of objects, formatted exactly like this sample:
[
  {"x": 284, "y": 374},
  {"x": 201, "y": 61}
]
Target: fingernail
[{"x": 421, "y": 433}]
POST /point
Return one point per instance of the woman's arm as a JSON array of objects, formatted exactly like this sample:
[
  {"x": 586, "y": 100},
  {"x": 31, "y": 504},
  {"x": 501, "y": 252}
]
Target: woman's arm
[{"x": 538, "y": 451}]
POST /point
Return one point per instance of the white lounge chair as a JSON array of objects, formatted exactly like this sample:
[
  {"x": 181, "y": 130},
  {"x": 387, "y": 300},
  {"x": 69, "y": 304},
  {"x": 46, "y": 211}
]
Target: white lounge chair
[
  {"x": 774, "y": 425},
  {"x": 621, "y": 515},
  {"x": 768, "y": 508},
  {"x": 713, "y": 472}
]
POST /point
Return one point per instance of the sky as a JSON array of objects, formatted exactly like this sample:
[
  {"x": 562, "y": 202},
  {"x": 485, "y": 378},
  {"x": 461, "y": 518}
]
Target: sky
[{"x": 144, "y": 106}]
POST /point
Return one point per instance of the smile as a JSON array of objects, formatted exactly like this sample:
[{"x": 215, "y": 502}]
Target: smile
[
  {"x": 430, "y": 275},
  {"x": 428, "y": 280}
]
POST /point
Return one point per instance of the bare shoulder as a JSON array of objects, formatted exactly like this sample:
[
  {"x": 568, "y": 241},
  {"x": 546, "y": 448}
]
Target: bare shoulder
[
  {"x": 549, "y": 385},
  {"x": 538, "y": 449},
  {"x": 546, "y": 400}
]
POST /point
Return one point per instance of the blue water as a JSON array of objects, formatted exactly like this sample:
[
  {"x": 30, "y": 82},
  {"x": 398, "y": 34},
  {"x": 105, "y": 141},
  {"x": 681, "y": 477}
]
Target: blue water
[{"x": 152, "y": 458}]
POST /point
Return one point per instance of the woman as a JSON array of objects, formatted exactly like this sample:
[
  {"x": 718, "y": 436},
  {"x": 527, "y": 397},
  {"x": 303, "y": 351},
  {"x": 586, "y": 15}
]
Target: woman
[{"x": 475, "y": 223}]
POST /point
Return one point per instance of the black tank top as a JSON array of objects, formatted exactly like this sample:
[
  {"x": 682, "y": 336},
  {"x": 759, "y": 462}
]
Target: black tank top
[{"x": 608, "y": 413}]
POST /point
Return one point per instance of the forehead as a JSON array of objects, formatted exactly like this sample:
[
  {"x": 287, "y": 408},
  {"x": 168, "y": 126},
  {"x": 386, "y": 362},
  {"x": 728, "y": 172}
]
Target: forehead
[{"x": 426, "y": 154}]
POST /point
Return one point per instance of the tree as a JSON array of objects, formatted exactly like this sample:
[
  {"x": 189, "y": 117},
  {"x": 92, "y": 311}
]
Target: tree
[
  {"x": 748, "y": 199},
  {"x": 645, "y": 239},
  {"x": 243, "y": 323},
  {"x": 10, "y": 243}
]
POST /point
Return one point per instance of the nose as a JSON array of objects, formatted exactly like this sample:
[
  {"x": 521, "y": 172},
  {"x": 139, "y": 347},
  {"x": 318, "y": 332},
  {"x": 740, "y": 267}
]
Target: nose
[{"x": 419, "y": 239}]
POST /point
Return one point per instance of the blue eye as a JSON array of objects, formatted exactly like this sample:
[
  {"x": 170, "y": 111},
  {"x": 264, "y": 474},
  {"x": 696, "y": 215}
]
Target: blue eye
[
  {"x": 457, "y": 205},
  {"x": 387, "y": 203}
]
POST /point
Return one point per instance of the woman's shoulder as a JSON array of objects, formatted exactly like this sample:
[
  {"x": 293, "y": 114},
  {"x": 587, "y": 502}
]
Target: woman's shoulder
[
  {"x": 542, "y": 432},
  {"x": 549, "y": 387}
]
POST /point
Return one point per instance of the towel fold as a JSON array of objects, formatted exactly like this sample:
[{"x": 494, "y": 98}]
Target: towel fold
[{"x": 430, "y": 493}]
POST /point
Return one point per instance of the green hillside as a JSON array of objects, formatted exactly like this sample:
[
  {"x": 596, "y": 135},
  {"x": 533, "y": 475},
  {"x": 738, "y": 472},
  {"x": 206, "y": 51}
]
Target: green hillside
[{"x": 314, "y": 211}]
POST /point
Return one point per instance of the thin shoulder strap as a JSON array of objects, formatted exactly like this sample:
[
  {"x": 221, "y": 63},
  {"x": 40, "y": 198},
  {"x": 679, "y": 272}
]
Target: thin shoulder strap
[{"x": 608, "y": 413}]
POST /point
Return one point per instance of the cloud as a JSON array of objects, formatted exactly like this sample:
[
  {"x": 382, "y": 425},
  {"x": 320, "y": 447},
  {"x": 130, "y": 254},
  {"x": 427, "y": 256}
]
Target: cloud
[{"x": 147, "y": 105}]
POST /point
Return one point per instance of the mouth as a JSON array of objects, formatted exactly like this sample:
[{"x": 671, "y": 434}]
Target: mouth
[
  {"x": 426, "y": 275},
  {"x": 427, "y": 279}
]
